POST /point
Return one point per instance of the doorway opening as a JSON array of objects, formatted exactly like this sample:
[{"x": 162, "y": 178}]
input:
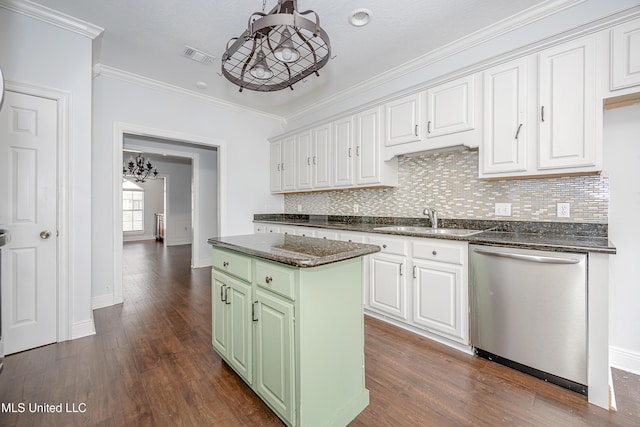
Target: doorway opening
[{"x": 192, "y": 169}]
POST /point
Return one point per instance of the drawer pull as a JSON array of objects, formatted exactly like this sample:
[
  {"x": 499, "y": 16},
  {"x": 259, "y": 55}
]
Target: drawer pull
[
  {"x": 225, "y": 264},
  {"x": 268, "y": 279},
  {"x": 434, "y": 253}
]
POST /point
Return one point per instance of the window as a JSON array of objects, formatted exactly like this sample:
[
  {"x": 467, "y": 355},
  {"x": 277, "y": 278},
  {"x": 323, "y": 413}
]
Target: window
[{"x": 132, "y": 210}]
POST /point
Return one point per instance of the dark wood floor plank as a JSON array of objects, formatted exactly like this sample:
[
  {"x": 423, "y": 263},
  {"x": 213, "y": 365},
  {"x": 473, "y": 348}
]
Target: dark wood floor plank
[{"x": 151, "y": 364}]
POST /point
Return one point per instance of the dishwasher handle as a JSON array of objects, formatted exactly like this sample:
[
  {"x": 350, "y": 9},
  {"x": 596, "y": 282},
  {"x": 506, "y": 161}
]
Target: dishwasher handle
[{"x": 531, "y": 258}]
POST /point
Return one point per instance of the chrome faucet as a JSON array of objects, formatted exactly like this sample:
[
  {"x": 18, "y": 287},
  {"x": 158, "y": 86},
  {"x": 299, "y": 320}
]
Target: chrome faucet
[{"x": 433, "y": 216}]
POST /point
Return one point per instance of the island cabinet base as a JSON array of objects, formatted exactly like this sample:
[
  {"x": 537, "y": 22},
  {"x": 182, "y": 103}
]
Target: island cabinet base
[{"x": 305, "y": 336}]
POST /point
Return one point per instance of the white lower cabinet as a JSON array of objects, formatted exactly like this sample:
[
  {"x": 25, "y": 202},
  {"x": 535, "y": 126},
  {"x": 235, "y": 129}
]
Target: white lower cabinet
[
  {"x": 387, "y": 277},
  {"x": 426, "y": 289}
]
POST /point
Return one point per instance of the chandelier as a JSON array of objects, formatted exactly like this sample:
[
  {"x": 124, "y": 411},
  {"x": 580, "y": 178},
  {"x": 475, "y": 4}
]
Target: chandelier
[
  {"x": 139, "y": 168},
  {"x": 277, "y": 49}
]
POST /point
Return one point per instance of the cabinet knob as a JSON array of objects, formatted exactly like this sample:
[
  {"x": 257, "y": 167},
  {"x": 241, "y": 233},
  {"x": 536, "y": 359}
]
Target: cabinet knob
[
  {"x": 434, "y": 253},
  {"x": 268, "y": 279},
  {"x": 225, "y": 264},
  {"x": 384, "y": 246}
]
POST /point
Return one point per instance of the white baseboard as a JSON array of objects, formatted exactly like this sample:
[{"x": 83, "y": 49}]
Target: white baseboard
[
  {"x": 204, "y": 262},
  {"x": 186, "y": 240},
  {"x": 101, "y": 301},
  {"x": 137, "y": 237},
  {"x": 84, "y": 328},
  {"x": 626, "y": 360}
]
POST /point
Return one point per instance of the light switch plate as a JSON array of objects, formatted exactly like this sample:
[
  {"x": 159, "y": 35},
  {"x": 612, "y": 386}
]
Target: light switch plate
[{"x": 503, "y": 209}]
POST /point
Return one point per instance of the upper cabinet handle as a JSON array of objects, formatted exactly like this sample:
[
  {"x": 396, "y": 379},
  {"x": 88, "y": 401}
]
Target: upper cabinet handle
[
  {"x": 349, "y": 151},
  {"x": 429, "y": 126},
  {"x": 314, "y": 160},
  {"x": 357, "y": 150},
  {"x": 518, "y": 131},
  {"x": 542, "y": 113}
]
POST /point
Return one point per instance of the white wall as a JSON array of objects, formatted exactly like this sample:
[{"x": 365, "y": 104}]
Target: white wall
[
  {"x": 177, "y": 225},
  {"x": 43, "y": 55},
  {"x": 153, "y": 203},
  {"x": 246, "y": 189},
  {"x": 622, "y": 163}
]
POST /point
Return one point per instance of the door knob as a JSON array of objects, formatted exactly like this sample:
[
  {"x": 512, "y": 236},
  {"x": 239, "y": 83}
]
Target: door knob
[{"x": 45, "y": 234}]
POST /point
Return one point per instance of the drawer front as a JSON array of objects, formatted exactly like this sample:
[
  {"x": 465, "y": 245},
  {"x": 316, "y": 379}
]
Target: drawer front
[
  {"x": 276, "y": 278},
  {"x": 232, "y": 263},
  {"x": 390, "y": 246},
  {"x": 437, "y": 250}
]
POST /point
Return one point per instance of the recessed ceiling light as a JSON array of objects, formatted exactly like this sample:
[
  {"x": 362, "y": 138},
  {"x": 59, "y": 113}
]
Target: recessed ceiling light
[
  {"x": 360, "y": 17},
  {"x": 201, "y": 85}
]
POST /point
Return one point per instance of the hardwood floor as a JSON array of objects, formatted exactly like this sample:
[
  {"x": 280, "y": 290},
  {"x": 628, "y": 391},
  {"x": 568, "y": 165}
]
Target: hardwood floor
[{"x": 151, "y": 363}]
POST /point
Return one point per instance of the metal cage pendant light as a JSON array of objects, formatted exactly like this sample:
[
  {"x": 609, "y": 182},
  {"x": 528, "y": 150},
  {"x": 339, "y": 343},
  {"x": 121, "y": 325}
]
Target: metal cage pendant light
[{"x": 277, "y": 50}]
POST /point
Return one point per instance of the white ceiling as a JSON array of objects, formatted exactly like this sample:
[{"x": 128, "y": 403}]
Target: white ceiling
[{"x": 147, "y": 37}]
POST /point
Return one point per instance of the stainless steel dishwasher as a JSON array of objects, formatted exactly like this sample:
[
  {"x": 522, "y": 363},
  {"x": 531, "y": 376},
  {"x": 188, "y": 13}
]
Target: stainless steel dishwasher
[{"x": 529, "y": 311}]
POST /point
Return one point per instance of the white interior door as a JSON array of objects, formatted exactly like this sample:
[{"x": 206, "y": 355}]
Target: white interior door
[{"x": 28, "y": 185}]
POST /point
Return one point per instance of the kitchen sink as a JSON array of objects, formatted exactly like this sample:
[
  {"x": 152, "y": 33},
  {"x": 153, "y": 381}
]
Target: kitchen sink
[{"x": 459, "y": 232}]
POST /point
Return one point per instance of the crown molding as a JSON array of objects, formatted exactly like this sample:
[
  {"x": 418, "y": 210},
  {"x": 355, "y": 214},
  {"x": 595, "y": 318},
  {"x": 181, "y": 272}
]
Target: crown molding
[
  {"x": 53, "y": 17},
  {"x": 115, "y": 73},
  {"x": 484, "y": 35}
]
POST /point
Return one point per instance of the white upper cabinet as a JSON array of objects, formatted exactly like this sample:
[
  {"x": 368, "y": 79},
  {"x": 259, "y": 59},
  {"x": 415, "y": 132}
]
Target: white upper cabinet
[
  {"x": 303, "y": 161},
  {"x": 568, "y": 113},
  {"x": 450, "y": 107},
  {"x": 368, "y": 146},
  {"x": 275, "y": 166},
  {"x": 288, "y": 166},
  {"x": 445, "y": 115},
  {"x": 343, "y": 152},
  {"x": 625, "y": 55},
  {"x": 544, "y": 120},
  {"x": 321, "y": 157},
  {"x": 505, "y": 130},
  {"x": 403, "y": 118}
]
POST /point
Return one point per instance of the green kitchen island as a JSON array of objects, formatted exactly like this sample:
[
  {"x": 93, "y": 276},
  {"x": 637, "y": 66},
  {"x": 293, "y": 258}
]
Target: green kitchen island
[{"x": 287, "y": 316}]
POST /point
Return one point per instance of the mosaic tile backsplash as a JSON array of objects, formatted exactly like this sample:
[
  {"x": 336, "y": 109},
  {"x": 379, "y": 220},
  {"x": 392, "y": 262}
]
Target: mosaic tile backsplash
[{"x": 449, "y": 183}]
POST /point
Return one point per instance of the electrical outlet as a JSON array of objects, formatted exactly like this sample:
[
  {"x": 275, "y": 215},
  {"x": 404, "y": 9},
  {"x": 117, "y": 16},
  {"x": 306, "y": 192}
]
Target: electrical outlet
[
  {"x": 356, "y": 208},
  {"x": 503, "y": 209},
  {"x": 563, "y": 210}
]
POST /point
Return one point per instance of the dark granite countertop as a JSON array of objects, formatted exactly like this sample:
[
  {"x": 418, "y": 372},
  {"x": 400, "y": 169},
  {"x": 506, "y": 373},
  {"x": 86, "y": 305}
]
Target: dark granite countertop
[
  {"x": 293, "y": 250},
  {"x": 552, "y": 236}
]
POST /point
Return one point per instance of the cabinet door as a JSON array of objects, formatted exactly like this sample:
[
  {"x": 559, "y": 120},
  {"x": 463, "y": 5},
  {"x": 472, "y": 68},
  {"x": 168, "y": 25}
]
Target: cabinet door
[
  {"x": 625, "y": 55},
  {"x": 240, "y": 349},
  {"x": 450, "y": 107},
  {"x": 368, "y": 147},
  {"x": 275, "y": 166},
  {"x": 219, "y": 319},
  {"x": 402, "y": 118},
  {"x": 274, "y": 380},
  {"x": 438, "y": 299},
  {"x": 303, "y": 161},
  {"x": 387, "y": 291},
  {"x": 504, "y": 142},
  {"x": 321, "y": 160},
  {"x": 567, "y": 98},
  {"x": 288, "y": 165},
  {"x": 343, "y": 152}
]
